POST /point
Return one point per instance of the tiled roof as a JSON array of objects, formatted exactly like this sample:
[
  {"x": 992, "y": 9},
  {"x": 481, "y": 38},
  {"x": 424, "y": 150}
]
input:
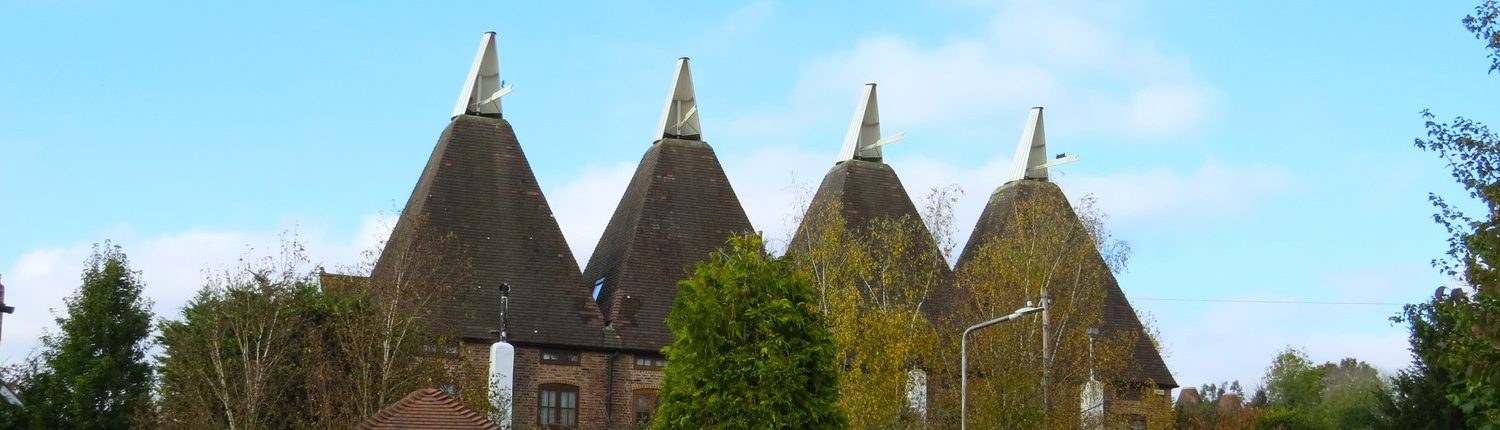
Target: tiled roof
[
  {"x": 678, "y": 208},
  {"x": 427, "y": 409},
  {"x": 867, "y": 191},
  {"x": 478, "y": 192},
  {"x": 1146, "y": 363}
]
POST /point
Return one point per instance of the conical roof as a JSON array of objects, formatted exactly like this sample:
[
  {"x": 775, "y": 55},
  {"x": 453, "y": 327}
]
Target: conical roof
[
  {"x": 678, "y": 208},
  {"x": 1028, "y": 182},
  {"x": 477, "y": 219},
  {"x": 427, "y": 408},
  {"x": 1146, "y": 363},
  {"x": 477, "y": 204},
  {"x": 867, "y": 189}
]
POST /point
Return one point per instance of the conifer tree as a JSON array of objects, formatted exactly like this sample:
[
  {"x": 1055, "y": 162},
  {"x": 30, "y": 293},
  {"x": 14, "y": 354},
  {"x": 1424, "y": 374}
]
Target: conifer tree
[
  {"x": 93, "y": 373},
  {"x": 750, "y": 349}
]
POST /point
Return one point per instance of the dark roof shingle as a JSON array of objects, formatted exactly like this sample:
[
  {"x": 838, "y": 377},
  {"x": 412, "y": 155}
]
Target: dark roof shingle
[
  {"x": 478, "y": 200},
  {"x": 678, "y": 208}
]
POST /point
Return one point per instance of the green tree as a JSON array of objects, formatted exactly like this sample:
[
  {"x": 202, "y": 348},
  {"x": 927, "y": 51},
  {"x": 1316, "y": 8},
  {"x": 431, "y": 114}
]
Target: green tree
[
  {"x": 93, "y": 373},
  {"x": 1473, "y": 154},
  {"x": 1294, "y": 390},
  {"x": 1351, "y": 391},
  {"x": 1293, "y": 381},
  {"x": 1301, "y": 395},
  {"x": 750, "y": 349},
  {"x": 271, "y": 344},
  {"x": 1418, "y": 397},
  {"x": 235, "y": 359}
]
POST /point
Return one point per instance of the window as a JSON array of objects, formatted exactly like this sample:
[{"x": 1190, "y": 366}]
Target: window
[
  {"x": 566, "y": 358},
  {"x": 598, "y": 286},
  {"x": 557, "y": 407},
  {"x": 645, "y": 406},
  {"x": 1137, "y": 422},
  {"x": 650, "y": 363}
]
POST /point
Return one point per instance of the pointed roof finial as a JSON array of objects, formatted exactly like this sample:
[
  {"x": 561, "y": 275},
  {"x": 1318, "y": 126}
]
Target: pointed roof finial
[
  {"x": 863, "y": 141},
  {"x": 1031, "y": 160},
  {"x": 679, "y": 119},
  {"x": 483, "y": 87}
]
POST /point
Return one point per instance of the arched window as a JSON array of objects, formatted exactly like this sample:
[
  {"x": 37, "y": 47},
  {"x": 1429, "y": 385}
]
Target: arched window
[
  {"x": 557, "y": 406},
  {"x": 645, "y": 405}
]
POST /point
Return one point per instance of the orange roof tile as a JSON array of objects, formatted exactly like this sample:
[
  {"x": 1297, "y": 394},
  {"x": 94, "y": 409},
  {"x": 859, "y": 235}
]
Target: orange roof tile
[{"x": 427, "y": 408}]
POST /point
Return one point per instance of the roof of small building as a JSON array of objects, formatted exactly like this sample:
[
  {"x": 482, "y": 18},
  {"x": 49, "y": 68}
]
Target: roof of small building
[
  {"x": 678, "y": 208},
  {"x": 477, "y": 219},
  {"x": 427, "y": 409},
  {"x": 867, "y": 191},
  {"x": 1189, "y": 396},
  {"x": 1146, "y": 364}
]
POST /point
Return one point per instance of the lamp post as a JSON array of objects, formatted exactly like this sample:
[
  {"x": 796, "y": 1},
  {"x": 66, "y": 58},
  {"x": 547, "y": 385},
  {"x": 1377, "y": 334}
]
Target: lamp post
[{"x": 963, "y": 413}]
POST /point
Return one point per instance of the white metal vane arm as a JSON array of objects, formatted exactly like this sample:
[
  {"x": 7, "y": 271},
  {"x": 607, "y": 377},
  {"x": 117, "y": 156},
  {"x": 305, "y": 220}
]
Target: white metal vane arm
[
  {"x": 679, "y": 119},
  {"x": 863, "y": 140},
  {"x": 482, "y": 88},
  {"x": 1030, "y": 161}
]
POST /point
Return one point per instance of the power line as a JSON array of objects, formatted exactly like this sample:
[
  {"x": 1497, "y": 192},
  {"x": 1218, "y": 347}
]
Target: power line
[{"x": 1270, "y": 302}]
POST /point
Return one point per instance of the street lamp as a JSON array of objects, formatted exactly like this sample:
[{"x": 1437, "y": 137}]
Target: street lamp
[{"x": 963, "y": 420}]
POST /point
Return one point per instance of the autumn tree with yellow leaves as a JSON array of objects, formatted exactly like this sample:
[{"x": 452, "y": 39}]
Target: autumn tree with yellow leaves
[
  {"x": 878, "y": 282},
  {"x": 1029, "y": 373}
]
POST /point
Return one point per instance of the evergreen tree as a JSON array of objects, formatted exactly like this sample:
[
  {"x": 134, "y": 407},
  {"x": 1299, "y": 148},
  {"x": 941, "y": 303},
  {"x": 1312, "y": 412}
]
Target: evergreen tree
[
  {"x": 93, "y": 373},
  {"x": 1418, "y": 397},
  {"x": 750, "y": 350}
]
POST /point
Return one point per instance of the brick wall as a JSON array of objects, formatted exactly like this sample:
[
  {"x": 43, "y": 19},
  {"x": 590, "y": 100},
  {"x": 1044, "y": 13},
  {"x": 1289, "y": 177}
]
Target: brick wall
[
  {"x": 628, "y": 379},
  {"x": 590, "y": 376},
  {"x": 1120, "y": 406}
]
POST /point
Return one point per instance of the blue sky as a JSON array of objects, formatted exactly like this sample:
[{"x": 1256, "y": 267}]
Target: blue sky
[{"x": 1246, "y": 151}]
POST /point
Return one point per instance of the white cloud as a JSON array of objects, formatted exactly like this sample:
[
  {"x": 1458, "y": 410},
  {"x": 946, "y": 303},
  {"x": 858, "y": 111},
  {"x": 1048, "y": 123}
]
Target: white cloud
[
  {"x": 172, "y": 265},
  {"x": 771, "y": 195},
  {"x": 1237, "y": 341},
  {"x": 1084, "y": 61},
  {"x": 1226, "y": 341},
  {"x": 1162, "y": 195},
  {"x": 584, "y": 205},
  {"x": 739, "y": 25},
  {"x": 768, "y": 181}
]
